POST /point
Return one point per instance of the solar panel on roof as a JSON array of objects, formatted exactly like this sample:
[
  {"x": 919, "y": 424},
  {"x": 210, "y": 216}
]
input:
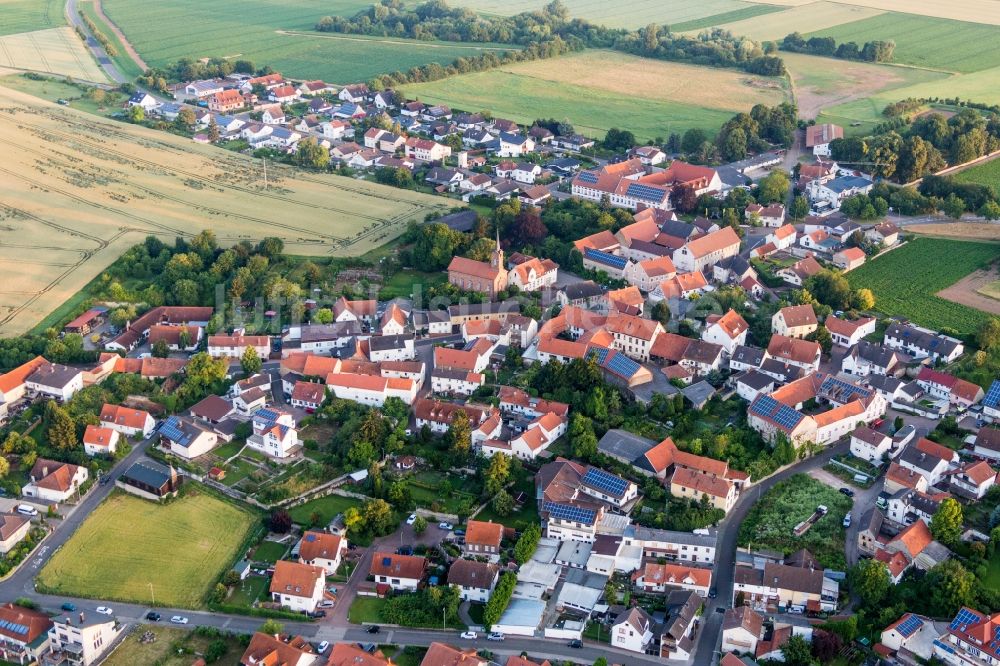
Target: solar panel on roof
[
  {"x": 964, "y": 617},
  {"x": 571, "y": 513},
  {"x": 170, "y": 430},
  {"x": 606, "y": 258},
  {"x": 622, "y": 365},
  {"x": 909, "y": 626},
  {"x": 992, "y": 398},
  {"x": 588, "y": 177},
  {"x": 764, "y": 405},
  {"x": 605, "y": 482},
  {"x": 645, "y": 192}
]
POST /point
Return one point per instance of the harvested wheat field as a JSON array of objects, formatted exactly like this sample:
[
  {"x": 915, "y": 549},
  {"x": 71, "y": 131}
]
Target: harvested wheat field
[
  {"x": 54, "y": 51},
  {"x": 802, "y": 18},
  {"x": 974, "y": 290},
  {"x": 76, "y": 190},
  {"x": 988, "y": 231}
]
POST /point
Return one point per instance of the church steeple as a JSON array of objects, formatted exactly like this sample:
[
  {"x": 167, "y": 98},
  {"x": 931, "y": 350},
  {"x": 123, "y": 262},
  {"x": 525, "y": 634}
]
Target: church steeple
[{"x": 496, "y": 261}]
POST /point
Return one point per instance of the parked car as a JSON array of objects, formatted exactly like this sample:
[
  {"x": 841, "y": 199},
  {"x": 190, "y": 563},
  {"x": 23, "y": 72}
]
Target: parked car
[
  {"x": 847, "y": 491},
  {"x": 713, "y": 593},
  {"x": 323, "y": 647},
  {"x": 494, "y": 636},
  {"x": 316, "y": 614},
  {"x": 575, "y": 643},
  {"x": 179, "y": 619},
  {"x": 104, "y": 610},
  {"x": 68, "y": 607},
  {"x": 327, "y": 604},
  {"x": 470, "y": 635},
  {"x": 412, "y": 519},
  {"x": 153, "y": 616},
  {"x": 404, "y": 550},
  {"x": 460, "y": 533},
  {"x": 847, "y": 520},
  {"x": 373, "y": 629},
  {"x": 445, "y": 526},
  {"x": 27, "y": 510}
]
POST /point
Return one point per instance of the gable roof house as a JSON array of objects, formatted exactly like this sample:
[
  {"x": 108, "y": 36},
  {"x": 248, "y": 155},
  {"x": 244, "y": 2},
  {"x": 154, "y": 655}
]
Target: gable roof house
[
  {"x": 655, "y": 577},
  {"x": 54, "y": 481},
  {"x": 127, "y": 421},
  {"x": 819, "y": 137},
  {"x": 276, "y": 650},
  {"x": 475, "y": 580},
  {"x": 848, "y": 332},
  {"x": 397, "y": 572},
  {"x": 184, "y": 437},
  {"x": 707, "y": 250},
  {"x": 794, "y": 321},
  {"x": 23, "y": 634},
  {"x": 54, "y": 380},
  {"x": 802, "y": 353},
  {"x": 633, "y": 630},
  {"x": 297, "y": 586},
  {"x": 322, "y": 549},
  {"x": 742, "y": 628},
  {"x": 956, "y": 391},
  {"x": 800, "y": 271}
]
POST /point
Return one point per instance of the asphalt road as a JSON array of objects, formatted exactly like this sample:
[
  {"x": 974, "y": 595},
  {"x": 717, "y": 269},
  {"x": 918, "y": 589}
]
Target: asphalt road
[{"x": 73, "y": 16}]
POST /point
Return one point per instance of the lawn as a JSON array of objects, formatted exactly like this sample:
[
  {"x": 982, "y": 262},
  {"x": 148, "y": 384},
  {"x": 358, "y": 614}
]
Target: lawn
[
  {"x": 27, "y": 15},
  {"x": 405, "y": 282},
  {"x": 327, "y": 507},
  {"x": 278, "y": 33},
  {"x": 771, "y": 522},
  {"x": 229, "y": 449},
  {"x": 941, "y": 263},
  {"x": 172, "y": 647},
  {"x": 982, "y": 174},
  {"x": 365, "y": 609},
  {"x": 596, "y": 90},
  {"x": 269, "y": 551},
  {"x": 251, "y": 590},
  {"x": 523, "y": 516},
  {"x": 992, "y": 578},
  {"x": 129, "y": 544},
  {"x": 923, "y": 41}
]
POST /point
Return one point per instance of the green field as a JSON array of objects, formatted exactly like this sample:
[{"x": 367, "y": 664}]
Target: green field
[
  {"x": 129, "y": 544},
  {"x": 982, "y": 174},
  {"x": 930, "y": 265},
  {"x": 771, "y": 522},
  {"x": 27, "y": 15},
  {"x": 165, "y": 32},
  {"x": 954, "y": 46},
  {"x": 122, "y": 60},
  {"x": 592, "y": 111},
  {"x": 635, "y": 13},
  {"x": 726, "y": 17},
  {"x": 328, "y": 507}
]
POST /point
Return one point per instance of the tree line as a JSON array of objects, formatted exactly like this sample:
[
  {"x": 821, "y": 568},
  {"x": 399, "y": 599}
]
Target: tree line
[
  {"x": 544, "y": 33},
  {"x": 874, "y": 51}
]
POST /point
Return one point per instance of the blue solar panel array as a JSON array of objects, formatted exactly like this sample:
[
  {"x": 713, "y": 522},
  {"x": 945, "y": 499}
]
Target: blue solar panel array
[
  {"x": 571, "y": 513},
  {"x": 844, "y": 391},
  {"x": 588, "y": 177},
  {"x": 944, "y": 646},
  {"x": 13, "y": 627},
  {"x": 786, "y": 417},
  {"x": 764, "y": 405},
  {"x": 612, "y": 260},
  {"x": 645, "y": 192},
  {"x": 621, "y": 365},
  {"x": 964, "y": 618},
  {"x": 605, "y": 482},
  {"x": 909, "y": 626},
  {"x": 266, "y": 414},
  {"x": 172, "y": 431},
  {"x": 992, "y": 398}
]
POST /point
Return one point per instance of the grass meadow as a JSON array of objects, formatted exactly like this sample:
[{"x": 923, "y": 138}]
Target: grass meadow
[
  {"x": 921, "y": 41},
  {"x": 272, "y": 32},
  {"x": 915, "y": 297},
  {"x": 805, "y": 18},
  {"x": 128, "y": 544},
  {"x": 982, "y": 174},
  {"x": 172, "y": 647},
  {"x": 629, "y": 14},
  {"x": 27, "y": 15}
]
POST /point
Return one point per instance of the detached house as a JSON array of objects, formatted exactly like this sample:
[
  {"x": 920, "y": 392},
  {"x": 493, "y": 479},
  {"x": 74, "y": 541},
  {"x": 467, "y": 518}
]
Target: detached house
[
  {"x": 98, "y": 441},
  {"x": 297, "y": 586},
  {"x": 322, "y": 549},
  {"x": 54, "y": 481},
  {"x": 655, "y": 577},
  {"x": 846, "y": 332},
  {"x": 729, "y": 331},
  {"x": 23, "y": 634},
  {"x": 948, "y": 387},
  {"x": 128, "y": 422},
  {"x": 483, "y": 539},
  {"x": 794, "y": 321},
  {"x": 475, "y": 580},
  {"x": 772, "y": 215},
  {"x": 707, "y": 250},
  {"x": 397, "y": 572},
  {"x": 274, "y": 434},
  {"x": 426, "y": 150},
  {"x": 869, "y": 444},
  {"x": 802, "y": 353},
  {"x": 633, "y": 630}
]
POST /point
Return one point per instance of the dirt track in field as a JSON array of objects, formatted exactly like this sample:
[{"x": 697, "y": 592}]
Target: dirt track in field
[{"x": 965, "y": 291}]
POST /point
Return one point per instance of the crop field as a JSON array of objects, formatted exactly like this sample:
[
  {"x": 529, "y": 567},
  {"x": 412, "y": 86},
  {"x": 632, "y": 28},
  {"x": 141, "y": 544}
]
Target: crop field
[
  {"x": 804, "y": 18},
  {"x": 596, "y": 90},
  {"x": 987, "y": 173},
  {"x": 122, "y": 59},
  {"x": 954, "y": 46},
  {"x": 28, "y": 15},
  {"x": 975, "y": 11},
  {"x": 128, "y": 543},
  {"x": 916, "y": 297},
  {"x": 78, "y": 190},
  {"x": 54, "y": 51},
  {"x": 273, "y": 32},
  {"x": 627, "y": 14}
]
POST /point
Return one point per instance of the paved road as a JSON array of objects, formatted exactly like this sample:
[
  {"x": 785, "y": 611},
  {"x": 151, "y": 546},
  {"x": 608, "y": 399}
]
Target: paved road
[
  {"x": 100, "y": 55},
  {"x": 725, "y": 557}
]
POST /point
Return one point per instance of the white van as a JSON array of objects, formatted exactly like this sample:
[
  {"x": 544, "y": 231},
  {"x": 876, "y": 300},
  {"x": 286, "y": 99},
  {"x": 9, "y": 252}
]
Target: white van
[{"x": 27, "y": 510}]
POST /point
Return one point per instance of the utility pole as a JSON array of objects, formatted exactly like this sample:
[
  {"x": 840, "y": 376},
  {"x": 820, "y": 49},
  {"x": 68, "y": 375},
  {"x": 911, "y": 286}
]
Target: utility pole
[{"x": 151, "y": 593}]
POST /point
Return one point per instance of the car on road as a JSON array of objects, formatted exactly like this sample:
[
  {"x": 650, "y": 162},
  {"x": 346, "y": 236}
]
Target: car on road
[
  {"x": 373, "y": 629},
  {"x": 105, "y": 480},
  {"x": 847, "y": 520},
  {"x": 104, "y": 610},
  {"x": 68, "y": 607},
  {"x": 470, "y": 635},
  {"x": 575, "y": 643},
  {"x": 323, "y": 647},
  {"x": 316, "y": 614},
  {"x": 153, "y": 616},
  {"x": 460, "y": 533},
  {"x": 847, "y": 491},
  {"x": 179, "y": 619},
  {"x": 412, "y": 519},
  {"x": 713, "y": 593},
  {"x": 494, "y": 636},
  {"x": 445, "y": 526}
]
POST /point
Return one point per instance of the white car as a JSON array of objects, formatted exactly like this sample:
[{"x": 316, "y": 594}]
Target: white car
[
  {"x": 470, "y": 635},
  {"x": 104, "y": 610},
  {"x": 494, "y": 636},
  {"x": 412, "y": 519},
  {"x": 327, "y": 604},
  {"x": 445, "y": 526},
  {"x": 179, "y": 619},
  {"x": 322, "y": 647}
]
